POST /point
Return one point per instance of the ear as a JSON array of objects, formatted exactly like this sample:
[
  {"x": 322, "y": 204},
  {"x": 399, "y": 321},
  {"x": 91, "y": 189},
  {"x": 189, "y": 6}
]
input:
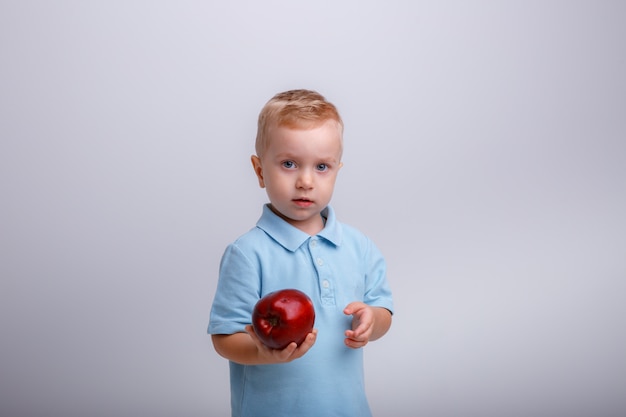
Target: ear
[{"x": 258, "y": 169}]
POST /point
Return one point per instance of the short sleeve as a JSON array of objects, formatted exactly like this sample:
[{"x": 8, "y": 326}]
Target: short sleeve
[
  {"x": 238, "y": 290},
  {"x": 377, "y": 290}
]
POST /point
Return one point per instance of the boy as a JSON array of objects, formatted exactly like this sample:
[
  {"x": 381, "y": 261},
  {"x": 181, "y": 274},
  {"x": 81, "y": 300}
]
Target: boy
[{"x": 298, "y": 243}]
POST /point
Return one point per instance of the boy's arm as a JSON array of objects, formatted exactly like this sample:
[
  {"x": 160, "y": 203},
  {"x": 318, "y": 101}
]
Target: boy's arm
[
  {"x": 247, "y": 349},
  {"x": 368, "y": 323}
]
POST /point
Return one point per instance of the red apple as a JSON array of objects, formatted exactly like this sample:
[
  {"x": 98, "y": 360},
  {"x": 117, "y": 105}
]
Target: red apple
[{"x": 282, "y": 317}]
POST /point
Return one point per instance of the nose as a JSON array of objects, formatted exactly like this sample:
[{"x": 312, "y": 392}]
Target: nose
[{"x": 305, "y": 180}]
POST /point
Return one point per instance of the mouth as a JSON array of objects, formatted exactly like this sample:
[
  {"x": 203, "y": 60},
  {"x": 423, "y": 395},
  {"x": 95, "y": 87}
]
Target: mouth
[{"x": 302, "y": 202}]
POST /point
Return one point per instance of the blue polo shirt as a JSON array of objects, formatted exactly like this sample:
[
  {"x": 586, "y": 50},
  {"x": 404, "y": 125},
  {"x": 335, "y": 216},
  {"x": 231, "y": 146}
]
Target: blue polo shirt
[{"x": 337, "y": 266}]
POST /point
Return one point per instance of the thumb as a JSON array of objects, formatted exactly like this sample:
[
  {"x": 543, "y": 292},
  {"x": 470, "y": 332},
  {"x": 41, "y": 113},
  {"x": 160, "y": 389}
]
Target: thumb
[{"x": 352, "y": 308}]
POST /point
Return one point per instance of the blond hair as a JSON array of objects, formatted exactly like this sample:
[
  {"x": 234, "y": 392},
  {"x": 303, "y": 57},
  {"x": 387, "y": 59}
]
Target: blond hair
[{"x": 294, "y": 109}]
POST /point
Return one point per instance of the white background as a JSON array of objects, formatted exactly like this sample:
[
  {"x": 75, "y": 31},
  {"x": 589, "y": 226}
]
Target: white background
[{"x": 485, "y": 154}]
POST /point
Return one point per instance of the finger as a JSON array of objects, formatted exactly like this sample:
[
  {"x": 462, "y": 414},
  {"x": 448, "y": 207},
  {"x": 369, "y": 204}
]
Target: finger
[
  {"x": 361, "y": 328},
  {"x": 351, "y": 334},
  {"x": 309, "y": 340},
  {"x": 306, "y": 344},
  {"x": 299, "y": 350},
  {"x": 352, "y": 308},
  {"x": 287, "y": 352},
  {"x": 354, "y": 344}
]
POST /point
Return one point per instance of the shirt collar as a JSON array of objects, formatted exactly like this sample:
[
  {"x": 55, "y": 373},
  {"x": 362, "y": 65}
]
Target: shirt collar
[{"x": 290, "y": 237}]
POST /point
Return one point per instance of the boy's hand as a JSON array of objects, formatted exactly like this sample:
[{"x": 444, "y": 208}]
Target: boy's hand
[
  {"x": 362, "y": 324},
  {"x": 288, "y": 354}
]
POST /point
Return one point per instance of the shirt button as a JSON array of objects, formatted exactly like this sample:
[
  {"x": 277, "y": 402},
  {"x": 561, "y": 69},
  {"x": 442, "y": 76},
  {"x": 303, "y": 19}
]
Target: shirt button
[
  {"x": 320, "y": 261},
  {"x": 313, "y": 243},
  {"x": 326, "y": 284}
]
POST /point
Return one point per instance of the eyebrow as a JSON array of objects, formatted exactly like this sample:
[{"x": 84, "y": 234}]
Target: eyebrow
[{"x": 288, "y": 155}]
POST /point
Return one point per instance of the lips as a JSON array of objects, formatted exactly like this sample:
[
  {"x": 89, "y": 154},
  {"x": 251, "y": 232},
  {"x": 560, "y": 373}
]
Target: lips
[{"x": 302, "y": 202}]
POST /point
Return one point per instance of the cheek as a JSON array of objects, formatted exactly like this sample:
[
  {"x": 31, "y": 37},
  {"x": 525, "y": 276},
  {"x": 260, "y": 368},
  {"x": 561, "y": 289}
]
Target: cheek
[
  {"x": 329, "y": 182},
  {"x": 276, "y": 182}
]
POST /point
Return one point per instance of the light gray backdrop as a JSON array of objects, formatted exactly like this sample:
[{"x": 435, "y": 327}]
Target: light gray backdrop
[{"x": 485, "y": 154}]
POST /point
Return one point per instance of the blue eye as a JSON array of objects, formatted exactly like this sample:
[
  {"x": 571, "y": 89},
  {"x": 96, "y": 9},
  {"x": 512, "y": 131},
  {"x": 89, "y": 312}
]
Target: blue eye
[
  {"x": 289, "y": 164},
  {"x": 322, "y": 167}
]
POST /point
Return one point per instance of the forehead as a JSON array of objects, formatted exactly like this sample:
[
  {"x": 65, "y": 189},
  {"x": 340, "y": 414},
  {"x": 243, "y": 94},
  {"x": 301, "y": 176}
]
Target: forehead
[{"x": 324, "y": 138}]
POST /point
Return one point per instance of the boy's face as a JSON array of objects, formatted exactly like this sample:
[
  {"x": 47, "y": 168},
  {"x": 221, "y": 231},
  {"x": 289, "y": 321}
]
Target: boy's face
[{"x": 298, "y": 170}]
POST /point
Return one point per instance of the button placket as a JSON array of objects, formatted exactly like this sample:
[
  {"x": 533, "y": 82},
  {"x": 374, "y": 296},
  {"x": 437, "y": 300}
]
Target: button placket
[{"x": 326, "y": 287}]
